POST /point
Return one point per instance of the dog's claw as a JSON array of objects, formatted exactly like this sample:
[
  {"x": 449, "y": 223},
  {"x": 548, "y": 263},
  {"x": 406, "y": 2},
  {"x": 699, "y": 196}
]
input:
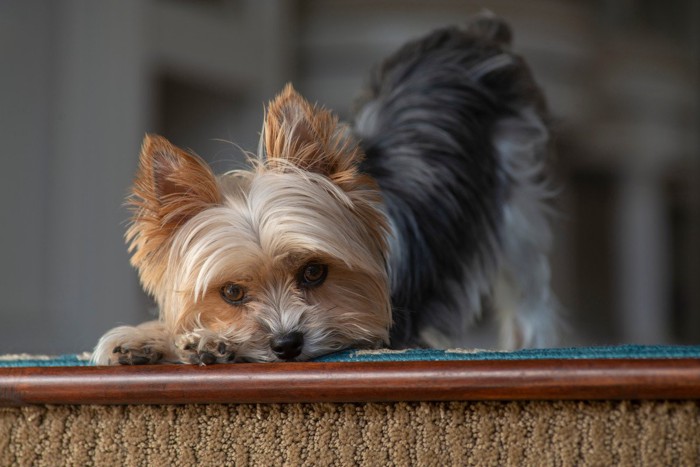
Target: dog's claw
[
  {"x": 203, "y": 358},
  {"x": 207, "y": 358},
  {"x": 140, "y": 356},
  {"x": 128, "y": 359}
]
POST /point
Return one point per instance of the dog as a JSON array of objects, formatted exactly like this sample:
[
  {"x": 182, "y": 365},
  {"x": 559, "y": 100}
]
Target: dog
[{"x": 401, "y": 229}]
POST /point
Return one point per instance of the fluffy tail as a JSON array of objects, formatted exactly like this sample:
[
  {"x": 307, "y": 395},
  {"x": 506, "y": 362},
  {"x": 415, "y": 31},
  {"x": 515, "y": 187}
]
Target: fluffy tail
[
  {"x": 490, "y": 27},
  {"x": 451, "y": 125}
]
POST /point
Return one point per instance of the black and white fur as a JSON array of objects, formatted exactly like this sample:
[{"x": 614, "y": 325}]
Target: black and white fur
[{"x": 455, "y": 132}]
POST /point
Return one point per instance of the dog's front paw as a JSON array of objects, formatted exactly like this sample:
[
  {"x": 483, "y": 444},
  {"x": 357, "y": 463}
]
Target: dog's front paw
[
  {"x": 139, "y": 355},
  {"x": 134, "y": 345},
  {"x": 205, "y": 348}
]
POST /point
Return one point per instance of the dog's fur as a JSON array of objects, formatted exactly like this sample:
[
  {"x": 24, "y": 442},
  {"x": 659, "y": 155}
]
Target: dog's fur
[{"x": 429, "y": 210}]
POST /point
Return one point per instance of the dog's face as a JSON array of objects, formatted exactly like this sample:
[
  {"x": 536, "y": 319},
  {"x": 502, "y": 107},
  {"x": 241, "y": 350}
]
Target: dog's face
[{"x": 285, "y": 261}]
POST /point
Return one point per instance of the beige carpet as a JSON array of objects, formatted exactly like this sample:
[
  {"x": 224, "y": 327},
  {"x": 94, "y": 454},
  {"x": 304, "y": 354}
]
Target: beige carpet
[{"x": 459, "y": 433}]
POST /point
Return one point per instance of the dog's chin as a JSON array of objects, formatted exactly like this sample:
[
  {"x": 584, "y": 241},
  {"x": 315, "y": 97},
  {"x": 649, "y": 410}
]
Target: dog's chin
[{"x": 263, "y": 356}]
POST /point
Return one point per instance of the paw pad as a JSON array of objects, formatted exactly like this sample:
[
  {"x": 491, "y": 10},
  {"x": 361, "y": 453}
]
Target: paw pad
[
  {"x": 136, "y": 356},
  {"x": 209, "y": 350}
]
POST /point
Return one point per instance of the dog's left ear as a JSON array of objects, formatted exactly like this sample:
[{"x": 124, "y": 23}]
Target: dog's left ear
[{"x": 310, "y": 138}]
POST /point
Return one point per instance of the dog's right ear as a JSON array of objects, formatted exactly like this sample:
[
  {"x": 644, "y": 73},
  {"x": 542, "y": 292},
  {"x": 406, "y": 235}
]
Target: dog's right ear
[{"x": 171, "y": 187}]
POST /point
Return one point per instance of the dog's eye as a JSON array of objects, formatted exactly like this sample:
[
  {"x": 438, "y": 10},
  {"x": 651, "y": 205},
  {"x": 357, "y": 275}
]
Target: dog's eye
[
  {"x": 313, "y": 275},
  {"x": 233, "y": 293}
]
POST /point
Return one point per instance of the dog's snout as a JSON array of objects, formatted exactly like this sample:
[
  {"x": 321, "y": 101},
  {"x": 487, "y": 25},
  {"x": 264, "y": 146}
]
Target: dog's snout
[{"x": 288, "y": 346}]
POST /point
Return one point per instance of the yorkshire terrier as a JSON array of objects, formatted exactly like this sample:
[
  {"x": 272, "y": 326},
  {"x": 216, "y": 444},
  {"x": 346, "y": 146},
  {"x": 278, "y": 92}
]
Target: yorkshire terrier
[{"x": 398, "y": 230}]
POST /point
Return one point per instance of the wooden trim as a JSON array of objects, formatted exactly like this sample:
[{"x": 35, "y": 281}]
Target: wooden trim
[{"x": 354, "y": 382}]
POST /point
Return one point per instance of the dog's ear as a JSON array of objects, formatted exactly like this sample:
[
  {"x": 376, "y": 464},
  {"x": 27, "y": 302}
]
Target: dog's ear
[
  {"x": 308, "y": 137},
  {"x": 171, "y": 187}
]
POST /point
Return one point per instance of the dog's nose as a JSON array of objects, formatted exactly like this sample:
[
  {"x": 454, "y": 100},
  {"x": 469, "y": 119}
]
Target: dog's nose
[{"x": 288, "y": 346}]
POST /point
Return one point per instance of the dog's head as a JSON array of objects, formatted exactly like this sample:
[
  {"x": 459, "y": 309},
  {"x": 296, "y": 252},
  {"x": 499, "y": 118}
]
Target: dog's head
[{"x": 287, "y": 259}]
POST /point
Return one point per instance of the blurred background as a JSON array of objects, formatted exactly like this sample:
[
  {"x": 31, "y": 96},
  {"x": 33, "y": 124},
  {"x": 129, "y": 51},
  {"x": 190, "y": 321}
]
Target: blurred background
[{"x": 82, "y": 81}]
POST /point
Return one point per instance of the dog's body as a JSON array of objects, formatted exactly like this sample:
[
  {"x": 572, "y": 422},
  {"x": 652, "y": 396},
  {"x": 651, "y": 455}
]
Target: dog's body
[{"x": 427, "y": 212}]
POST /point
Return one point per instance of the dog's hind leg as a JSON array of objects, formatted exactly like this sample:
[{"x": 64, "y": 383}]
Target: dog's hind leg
[
  {"x": 525, "y": 307},
  {"x": 522, "y": 296}
]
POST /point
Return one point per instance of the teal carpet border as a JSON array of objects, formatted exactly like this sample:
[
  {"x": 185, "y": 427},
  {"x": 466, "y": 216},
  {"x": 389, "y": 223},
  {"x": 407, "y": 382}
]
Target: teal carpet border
[
  {"x": 24, "y": 360},
  {"x": 617, "y": 351},
  {"x": 606, "y": 352}
]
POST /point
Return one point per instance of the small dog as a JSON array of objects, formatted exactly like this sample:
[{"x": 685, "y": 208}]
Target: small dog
[{"x": 399, "y": 230}]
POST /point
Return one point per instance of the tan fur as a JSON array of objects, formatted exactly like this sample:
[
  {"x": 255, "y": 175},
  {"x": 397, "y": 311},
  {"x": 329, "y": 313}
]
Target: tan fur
[
  {"x": 305, "y": 201},
  {"x": 310, "y": 139},
  {"x": 171, "y": 186}
]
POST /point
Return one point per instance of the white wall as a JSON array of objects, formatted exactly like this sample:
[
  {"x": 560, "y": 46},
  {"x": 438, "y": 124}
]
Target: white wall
[
  {"x": 73, "y": 110},
  {"x": 25, "y": 32}
]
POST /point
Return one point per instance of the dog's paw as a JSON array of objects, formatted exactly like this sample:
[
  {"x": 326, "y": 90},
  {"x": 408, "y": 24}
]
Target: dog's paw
[
  {"x": 205, "y": 348},
  {"x": 140, "y": 355},
  {"x": 134, "y": 345}
]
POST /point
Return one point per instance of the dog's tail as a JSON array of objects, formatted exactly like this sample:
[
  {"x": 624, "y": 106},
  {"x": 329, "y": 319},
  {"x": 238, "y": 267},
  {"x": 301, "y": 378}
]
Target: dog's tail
[
  {"x": 490, "y": 27},
  {"x": 454, "y": 130}
]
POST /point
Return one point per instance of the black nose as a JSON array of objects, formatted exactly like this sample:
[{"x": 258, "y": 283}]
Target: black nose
[{"x": 288, "y": 346}]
